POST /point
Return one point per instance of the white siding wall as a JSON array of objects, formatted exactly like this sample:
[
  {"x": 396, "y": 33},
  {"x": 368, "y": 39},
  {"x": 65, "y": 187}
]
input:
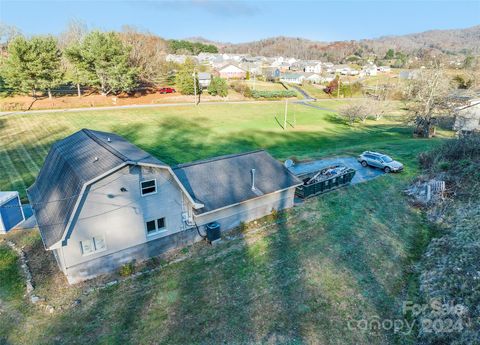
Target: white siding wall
[
  {"x": 231, "y": 217},
  {"x": 120, "y": 216}
]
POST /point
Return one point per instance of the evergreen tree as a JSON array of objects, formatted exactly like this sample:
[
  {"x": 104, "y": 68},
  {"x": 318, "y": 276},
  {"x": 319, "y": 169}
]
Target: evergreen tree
[
  {"x": 103, "y": 60},
  {"x": 218, "y": 86},
  {"x": 33, "y": 64},
  {"x": 390, "y": 54},
  {"x": 184, "y": 79}
]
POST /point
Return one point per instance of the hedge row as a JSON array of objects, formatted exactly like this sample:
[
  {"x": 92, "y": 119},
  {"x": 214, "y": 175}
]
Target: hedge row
[{"x": 273, "y": 94}]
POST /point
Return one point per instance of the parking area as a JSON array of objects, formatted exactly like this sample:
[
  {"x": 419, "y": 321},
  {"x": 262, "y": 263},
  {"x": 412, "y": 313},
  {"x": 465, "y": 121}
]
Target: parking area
[{"x": 362, "y": 174}]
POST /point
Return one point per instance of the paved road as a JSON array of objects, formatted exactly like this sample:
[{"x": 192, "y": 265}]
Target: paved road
[
  {"x": 362, "y": 174},
  {"x": 131, "y": 106},
  {"x": 308, "y": 98},
  {"x": 314, "y": 106}
]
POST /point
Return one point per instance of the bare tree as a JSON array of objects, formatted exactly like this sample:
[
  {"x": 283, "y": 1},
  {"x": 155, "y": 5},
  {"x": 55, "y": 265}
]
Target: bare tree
[
  {"x": 352, "y": 112},
  {"x": 377, "y": 108},
  {"x": 7, "y": 33},
  {"x": 147, "y": 53},
  {"x": 427, "y": 98},
  {"x": 73, "y": 36}
]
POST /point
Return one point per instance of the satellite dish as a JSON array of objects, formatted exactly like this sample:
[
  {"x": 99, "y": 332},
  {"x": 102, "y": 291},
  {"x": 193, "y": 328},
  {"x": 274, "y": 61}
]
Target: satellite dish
[{"x": 288, "y": 163}]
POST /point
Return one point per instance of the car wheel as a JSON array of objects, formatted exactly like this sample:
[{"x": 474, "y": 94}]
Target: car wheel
[
  {"x": 387, "y": 170},
  {"x": 364, "y": 164}
]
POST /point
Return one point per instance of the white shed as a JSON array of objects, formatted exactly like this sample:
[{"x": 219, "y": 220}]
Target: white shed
[{"x": 11, "y": 212}]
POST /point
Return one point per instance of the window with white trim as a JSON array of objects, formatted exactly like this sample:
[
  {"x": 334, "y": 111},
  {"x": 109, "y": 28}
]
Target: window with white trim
[
  {"x": 93, "y": 245},
  {"x": 148, "y": 187},
  {"x": 155, "y": 226}
]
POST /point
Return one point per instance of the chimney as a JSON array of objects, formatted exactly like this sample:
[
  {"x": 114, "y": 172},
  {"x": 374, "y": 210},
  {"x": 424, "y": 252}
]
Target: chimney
[{"x": 253, "y": 178}]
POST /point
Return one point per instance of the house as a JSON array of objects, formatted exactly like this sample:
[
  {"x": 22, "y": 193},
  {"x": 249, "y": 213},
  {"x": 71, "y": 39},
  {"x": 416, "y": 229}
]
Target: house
[
  {"x": 344, "y": 70},
  {"x": 313, "y": 67},
  {"x": 101, "y": 202},
  {"x": 11, "y": 212},
  {"x": 369, "y": 70},
  {"x": 384, "y": 69},
  {"x": 409, "y": 74},
  {"x": 176, "y": 58},
  {"x": 231, "y": 71},
  {"x": 204, "y": 79},
  {"x": 313, "y": 78},
  {"x": 254, "y": 68},
  {"x": 298, "y": 66},
  {"x": 292, "y": 78},
  {"x": 467, "y": 118},
  {"x": 271, "y": 73}
]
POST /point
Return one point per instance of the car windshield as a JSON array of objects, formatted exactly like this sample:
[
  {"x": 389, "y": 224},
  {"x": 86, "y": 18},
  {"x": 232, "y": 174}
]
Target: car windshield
[{"x": 386, "y": 159}]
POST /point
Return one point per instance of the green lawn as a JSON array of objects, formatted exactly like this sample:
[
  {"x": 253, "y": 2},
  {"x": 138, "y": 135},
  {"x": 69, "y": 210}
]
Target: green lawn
[
  {"x": 181, "y": 134},
  {"x": 264, "y": 85},
  {"x": 342, "y": 256}
]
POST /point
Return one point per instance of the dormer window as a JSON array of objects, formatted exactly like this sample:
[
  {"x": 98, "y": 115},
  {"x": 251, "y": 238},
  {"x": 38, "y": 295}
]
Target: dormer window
[{"x": 148, "y": 187}]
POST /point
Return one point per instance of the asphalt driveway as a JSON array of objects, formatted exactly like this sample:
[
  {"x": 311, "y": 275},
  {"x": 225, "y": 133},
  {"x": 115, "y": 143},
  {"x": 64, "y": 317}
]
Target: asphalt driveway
[{"x": 362, "y": 174}]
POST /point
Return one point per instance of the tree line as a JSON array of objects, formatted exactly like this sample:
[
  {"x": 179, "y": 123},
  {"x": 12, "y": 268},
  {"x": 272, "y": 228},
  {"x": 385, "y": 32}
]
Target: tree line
[
  {"x": 187, "y": 47},
  {"x": 103, "y": 61}
]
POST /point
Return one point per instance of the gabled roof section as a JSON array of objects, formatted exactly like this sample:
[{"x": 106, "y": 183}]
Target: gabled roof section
[
  {"x": 226, "y": 180},
  {"x": 70, "y": 164}
]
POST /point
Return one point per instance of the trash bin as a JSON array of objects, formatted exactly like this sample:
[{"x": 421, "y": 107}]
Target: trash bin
[{"x": 213, "y": 232}]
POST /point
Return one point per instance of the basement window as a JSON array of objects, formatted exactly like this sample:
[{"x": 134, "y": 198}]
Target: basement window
[
  {"x": 149, "y": 187},
  {"x": 156, "y": 226},
  {"x": 87, "y": 247},
  {"x": 96, "y": 244}
]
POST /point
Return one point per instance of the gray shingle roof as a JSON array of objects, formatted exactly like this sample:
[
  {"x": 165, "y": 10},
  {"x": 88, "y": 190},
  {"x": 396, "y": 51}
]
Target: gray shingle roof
[
  {"x": 226, "y": 180},
  {"x": 71, "y": 163}
]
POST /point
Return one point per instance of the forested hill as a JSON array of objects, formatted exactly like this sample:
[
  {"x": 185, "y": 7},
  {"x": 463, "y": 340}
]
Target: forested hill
[{"x": 457, "y": 41}]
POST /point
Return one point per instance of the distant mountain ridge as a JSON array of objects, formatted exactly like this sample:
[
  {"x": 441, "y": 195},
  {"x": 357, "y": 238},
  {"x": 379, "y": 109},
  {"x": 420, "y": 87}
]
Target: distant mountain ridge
[{"x": 454, "y": 41}]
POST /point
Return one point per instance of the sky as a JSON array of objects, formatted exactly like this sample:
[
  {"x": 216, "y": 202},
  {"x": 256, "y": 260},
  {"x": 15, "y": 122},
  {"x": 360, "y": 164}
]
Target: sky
[{"x": 242, "y": 21}]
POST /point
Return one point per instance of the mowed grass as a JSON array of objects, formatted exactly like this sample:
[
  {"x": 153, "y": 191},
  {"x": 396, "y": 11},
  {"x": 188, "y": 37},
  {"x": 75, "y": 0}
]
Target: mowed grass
[
  {"x": 346, "y": 255},
  {"x": 263, "y": 85},
  {"x": 181, "y": 134}
]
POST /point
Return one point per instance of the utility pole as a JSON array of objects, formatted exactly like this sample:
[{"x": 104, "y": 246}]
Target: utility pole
[
  {"x": 338, "y": 88},
  {"x": 285, "y": 116},
  {"x": 294, "y": 118},
  {"x": 195, "y": 87}
]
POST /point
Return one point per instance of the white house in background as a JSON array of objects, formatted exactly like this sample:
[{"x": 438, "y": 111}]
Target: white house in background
[
  {"x": 176, "y": 58},
  {"x": 291, "y": 61},
  {"x": 313, "y": 78},
  {"x": 313, "y": 67},
  {"x": 345, "y": 70},
  {"x": 101, "y": 202},
  {"x": 409, "y": 74},
  {"x": 231, "y": 71},
  {"x": 369, "y": 70},
  {"x": 467, "y": 118},
  {"x": 384, "y": 69},
  {"x": 292, "y": 78},
  {"x": 204, "y": 79}
]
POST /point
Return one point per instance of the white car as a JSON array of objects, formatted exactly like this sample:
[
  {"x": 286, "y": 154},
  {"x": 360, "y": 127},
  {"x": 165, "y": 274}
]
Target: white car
[{"x": 380, "y": 160}]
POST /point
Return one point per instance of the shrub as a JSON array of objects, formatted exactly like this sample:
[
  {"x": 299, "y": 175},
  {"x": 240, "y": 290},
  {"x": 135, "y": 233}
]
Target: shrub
[
  {"x": 241, "y": 88},
  {"x": 273, "y": 94},
  {"x": 218, "y": 86},
  {"x": 127, "y": 269},
  {"x": 242, "y": 226}
]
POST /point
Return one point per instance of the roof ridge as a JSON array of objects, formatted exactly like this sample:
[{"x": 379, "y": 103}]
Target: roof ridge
[
  {"x": 214, "y": 159},
  {"x": 109, "y": 148}
]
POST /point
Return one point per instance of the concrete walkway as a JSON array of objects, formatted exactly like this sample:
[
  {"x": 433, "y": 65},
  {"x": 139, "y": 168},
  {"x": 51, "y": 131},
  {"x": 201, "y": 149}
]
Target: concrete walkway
[{"x": 362, "y": 174}]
